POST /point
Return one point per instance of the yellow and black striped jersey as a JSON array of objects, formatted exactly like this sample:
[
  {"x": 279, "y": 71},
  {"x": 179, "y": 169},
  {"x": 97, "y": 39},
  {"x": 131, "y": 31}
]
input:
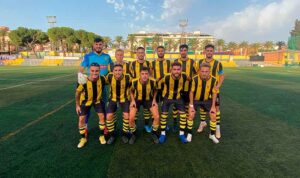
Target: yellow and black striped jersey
[
  {"x": 91, "y": 91},
  {"x": 216, "y": 67},
  {"x": 135, "y": 67},
  {"x": 143, "y": 92},
  {"x": 172, "y": 88},
  {"x": 202, "y": 89},
  {"x": 119, "y": 89},
  {"x": 126, "y": 67},
  {"x": 159, "y": 69},
  {"x": 189, "y": 67}
]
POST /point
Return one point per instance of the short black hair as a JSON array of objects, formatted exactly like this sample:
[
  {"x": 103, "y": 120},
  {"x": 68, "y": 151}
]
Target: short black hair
[
  {"x": 98, "y": 39},
  {"x": 176, "y": 64},
  {"x": 140, "y": 48},
  {"x": 117, "y": 65},
  {"x": 95, "y": 64},
  {"x": 209, "y": 46},
  {"x": 183, "y": 46},
  {"x": 205, "y": 65},
  {"x": 160, "y": 47},
  {"x": 145, "y": 69}
]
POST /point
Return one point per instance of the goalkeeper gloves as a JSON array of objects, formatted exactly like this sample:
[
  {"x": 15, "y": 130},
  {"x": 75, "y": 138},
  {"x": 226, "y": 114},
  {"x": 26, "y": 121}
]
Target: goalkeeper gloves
[{"x": 82, "y": 78}]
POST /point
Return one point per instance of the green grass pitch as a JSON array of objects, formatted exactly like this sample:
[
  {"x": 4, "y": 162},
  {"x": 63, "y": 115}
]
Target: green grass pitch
[{"x": 260, "y": 131}]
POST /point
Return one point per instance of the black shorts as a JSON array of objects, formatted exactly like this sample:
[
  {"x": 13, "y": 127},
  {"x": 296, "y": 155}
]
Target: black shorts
[
  {"x": 178, "y": 103},
  {"x": 186, "y": 97},
  {"x": 205, "y": 105},
  {"x": 159, "y": 97},
  {"x": 113, "y": 106},
  {"x": 145, "y": 104},
  {"x": 218, "y": 100},
  {"x": 99, "y": 108}
]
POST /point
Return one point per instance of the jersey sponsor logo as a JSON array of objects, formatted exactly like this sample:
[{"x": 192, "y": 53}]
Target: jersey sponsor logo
[{"x": 103, "y": 66}]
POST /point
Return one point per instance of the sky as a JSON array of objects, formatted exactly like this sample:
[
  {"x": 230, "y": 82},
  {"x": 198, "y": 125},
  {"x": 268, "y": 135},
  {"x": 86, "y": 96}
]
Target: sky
[{"x": 231, "y": 20}]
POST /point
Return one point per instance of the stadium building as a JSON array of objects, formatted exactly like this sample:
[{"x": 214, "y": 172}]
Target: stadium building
[{"x": 170, "y": 40}]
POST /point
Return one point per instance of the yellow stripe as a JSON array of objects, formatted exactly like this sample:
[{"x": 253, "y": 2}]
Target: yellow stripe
[{"x": 11, "y": 134}]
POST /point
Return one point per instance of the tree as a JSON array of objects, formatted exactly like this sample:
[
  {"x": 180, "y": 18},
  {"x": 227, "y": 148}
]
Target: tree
[
  {"x": 3, "y": 33},
  {"x": 65, "y": 38},
  {"x": 144, "y": 42},
  {"x": 232, "y": 46},
  {"x": 118, "y": 41},
  {"x": 169, "y": 44},
  {"x": 268, "y": 45},
  {"x": 255, "y": 47},
  {"x": 156, "y": 41},
  {"x": 107, "y": 41},
  {"x": 244, "y": 46},
  {"x": 28, "y": 38},
  {"x": 280, "y": 44},
  {"x": 131, "y": 40},
  {"x": 194, "y": 44},
  {"x": 220, "y": 43},
  {"x": 176, "y": 45},
  {"x": 83, "y": 41},
  {"x": 204, "y": 43}
]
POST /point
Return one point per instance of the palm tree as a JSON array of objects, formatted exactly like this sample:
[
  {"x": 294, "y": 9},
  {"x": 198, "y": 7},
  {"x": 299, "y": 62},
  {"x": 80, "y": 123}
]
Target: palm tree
[
  {"x": 118, "y": 41},
  {"x": 169, "y": 44},
  {"x": 280, "y": 44},
  {"x": 220, "y": 44},
  {"x": 244, "y": 47},
  {"x": 268, "y": 45},
  {"x": 144, "y": 42},
  {"x": 125, "y": 44},
  {"x": 232, "y": 46},
  {"x": 204, "y": 43},
  {"x": 107, "y": 41},
  {"x": 176, "y": 44},
  {"x": 156, "y": 41},
  {"x": 194, "y": 44},
  {"x": 131, "y": 40},
  {"x": 256, "y": 47}
]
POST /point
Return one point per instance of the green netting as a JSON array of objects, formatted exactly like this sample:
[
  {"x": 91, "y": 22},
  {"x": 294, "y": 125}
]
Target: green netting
[{"x": 294, "y": 43}]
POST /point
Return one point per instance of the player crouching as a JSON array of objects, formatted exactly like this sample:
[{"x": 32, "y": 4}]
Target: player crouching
[{"x": 88, "y": 95}]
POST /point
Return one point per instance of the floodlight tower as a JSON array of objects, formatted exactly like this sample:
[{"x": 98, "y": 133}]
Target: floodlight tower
[
  {"x": 183, "y": 23},
  {"x": 51, "y": 21}
]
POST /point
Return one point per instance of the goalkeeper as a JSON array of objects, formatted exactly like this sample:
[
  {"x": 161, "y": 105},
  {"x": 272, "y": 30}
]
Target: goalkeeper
[{"x": 88, "y": 95}]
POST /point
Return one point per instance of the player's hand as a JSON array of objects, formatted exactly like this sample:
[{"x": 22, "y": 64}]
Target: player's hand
[
  {"x": 216, "y": 88},
  {"x": 82, "y": 78},
  {"x": 132, "y": 104},
  {"x": 191, "y": 109},
  {"x": 154, "y": 103},
  {"x": 213, "y": 110},
  {"x": 78, "y": 109},
  {"x": 191, "y": 112}
]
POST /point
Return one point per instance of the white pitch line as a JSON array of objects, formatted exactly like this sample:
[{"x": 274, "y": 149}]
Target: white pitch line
[
  {"x": 15, "y": 86},
  {"x": 11, "y": 134}
]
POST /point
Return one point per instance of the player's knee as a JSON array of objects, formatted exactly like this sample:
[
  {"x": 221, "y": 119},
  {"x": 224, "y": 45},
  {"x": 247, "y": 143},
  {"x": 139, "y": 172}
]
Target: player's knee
[
  {"x": 109, "y": 116},
  {"x": 81, "y": 120},
  {"x": 213, "y": 117},
  {"x": 126, "y": 116},
  {"x": 101, "y": 116},
  {"x": 191, "y": 116}
]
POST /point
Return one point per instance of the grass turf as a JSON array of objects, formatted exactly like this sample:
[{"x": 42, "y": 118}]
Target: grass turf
[{"x": 260, "y": 131}]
